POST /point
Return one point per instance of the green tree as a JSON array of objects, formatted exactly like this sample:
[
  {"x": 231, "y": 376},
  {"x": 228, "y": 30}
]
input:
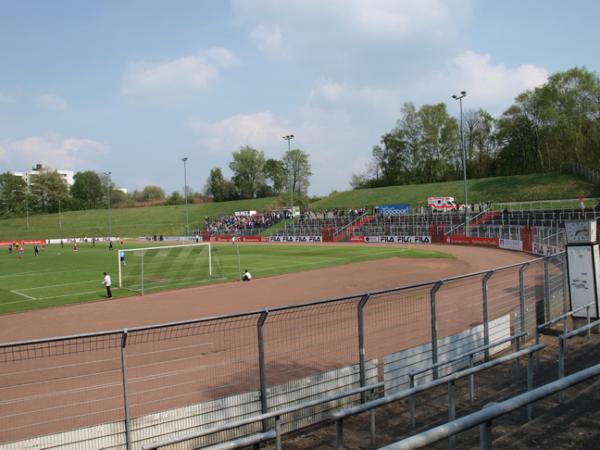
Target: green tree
[
  {"x": 275, "y": 172},
  {"x": 439, "y": 144},
  {"x": 13, "y": 190},
  {"x": 216, "y": 186},
  {"x": 248, "y": 169},
  {"x": 87, "y": 189},
  {"x": 298, "y": 170},
  {"x": 47, "y": 190},
  {"x": 152, "y": 192}
]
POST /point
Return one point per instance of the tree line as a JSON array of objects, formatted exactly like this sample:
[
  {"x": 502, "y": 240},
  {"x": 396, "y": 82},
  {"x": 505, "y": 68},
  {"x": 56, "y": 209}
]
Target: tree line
[
  {"x": 48, "y": 192},
  {"x": 253, "y": 177},
  {"x": 546, "y": 128}
]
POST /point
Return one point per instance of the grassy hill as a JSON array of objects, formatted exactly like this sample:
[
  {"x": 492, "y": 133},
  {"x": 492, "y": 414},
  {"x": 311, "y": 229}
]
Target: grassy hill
[
  {"x": 127, "y": 222},
  {"x": 132, "y": 222},
  {"x": 547, "y": 186}
]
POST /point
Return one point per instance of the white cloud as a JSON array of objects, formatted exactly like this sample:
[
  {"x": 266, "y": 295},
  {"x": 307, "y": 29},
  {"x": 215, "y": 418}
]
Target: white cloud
[
  {"x": 357, "y": 40},
  {"x": 51, "y": 150},
  {"x": 492, "y": 85},
  {"x": 51, "y": 102},
  {"x": 183, "y": 75},
  {"x": 267, "y": 38},
  {"x": 259, "y": 130}
]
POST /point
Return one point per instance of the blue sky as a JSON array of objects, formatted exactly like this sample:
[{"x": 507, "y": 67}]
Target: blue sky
[{"x": 132, "y": 86}]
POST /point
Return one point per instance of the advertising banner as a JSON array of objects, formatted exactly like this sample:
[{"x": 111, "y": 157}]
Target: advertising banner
[
  {"x": 305, "y": 239},
  {"x": 545, "y": 249},
  {"x": 357, "y": 239},
  {"x": 393, "y": 210},
  {"x": 469, "y": 240},
  {"x": 511, "y": 244},
  {"x": 25, "y": 242},
  {"x": 398, "y": 239}
]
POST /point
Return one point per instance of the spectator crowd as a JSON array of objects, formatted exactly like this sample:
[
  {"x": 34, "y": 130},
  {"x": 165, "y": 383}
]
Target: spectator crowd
[{"x": 235, "y": 224}]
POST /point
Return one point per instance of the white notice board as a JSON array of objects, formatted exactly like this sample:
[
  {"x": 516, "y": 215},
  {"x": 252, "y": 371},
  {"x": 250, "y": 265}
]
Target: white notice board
[{"x": 584, "y": 265}]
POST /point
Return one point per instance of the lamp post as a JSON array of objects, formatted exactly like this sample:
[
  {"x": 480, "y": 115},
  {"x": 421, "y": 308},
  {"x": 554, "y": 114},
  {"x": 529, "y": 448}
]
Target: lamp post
[
  {"x": 289, "y": 138},
  {"x": 185, "y": 192},
  {"x": 462, "y": 95},
  {"x": 108, "y": 200}
]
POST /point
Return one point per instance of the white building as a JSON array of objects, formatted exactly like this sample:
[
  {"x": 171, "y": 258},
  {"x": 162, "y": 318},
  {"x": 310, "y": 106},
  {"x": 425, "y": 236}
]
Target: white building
[{"x": 67, "y": 175}]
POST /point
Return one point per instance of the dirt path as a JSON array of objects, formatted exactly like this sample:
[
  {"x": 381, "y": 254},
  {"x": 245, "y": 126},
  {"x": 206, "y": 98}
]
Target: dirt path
[{"x": 295, "y": 288}]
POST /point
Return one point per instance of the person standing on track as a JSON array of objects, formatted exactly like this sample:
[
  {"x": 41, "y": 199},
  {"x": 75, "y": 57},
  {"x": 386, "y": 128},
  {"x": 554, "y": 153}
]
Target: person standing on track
[
  {"x": 36, "y": 250},
  {"x": 107, "y": 282}
]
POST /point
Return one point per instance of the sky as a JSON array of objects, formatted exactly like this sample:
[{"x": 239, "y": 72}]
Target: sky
[{"x": 131, "y": 87}]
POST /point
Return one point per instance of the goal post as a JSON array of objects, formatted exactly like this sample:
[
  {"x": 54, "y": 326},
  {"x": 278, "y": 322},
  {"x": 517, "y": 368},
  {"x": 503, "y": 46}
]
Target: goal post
[{"x": 148, "y": 268}]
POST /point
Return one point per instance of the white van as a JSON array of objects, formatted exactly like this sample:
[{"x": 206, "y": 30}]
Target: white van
[{"x": 441, "y": 204}]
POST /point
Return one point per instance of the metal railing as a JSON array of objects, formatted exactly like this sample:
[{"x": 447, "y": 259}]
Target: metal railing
[
  {"x": 276, "y": 433},
  {"x": 562, "y": 343},
  {"x": 449, "y": 380},
  {"x": 563, "y": 318},
  {"x": 471, "y": 355},
  {"x": 485, "y": 416}
]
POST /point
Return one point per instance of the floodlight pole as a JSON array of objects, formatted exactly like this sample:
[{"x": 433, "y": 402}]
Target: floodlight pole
[
  {"x": 185, "y": 189},
  {"x": 462, "y": 95},
  {"x": 108, "y": 200},
  {"x": 289, "y": 138}
]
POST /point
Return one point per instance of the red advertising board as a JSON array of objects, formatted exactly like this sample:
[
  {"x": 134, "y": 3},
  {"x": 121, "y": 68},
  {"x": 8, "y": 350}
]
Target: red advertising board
[
  {"x": 25, "y": 242},
  {"x": 357, "y": 239},
  {"x": 251, "y": 239},
  {"x": 472, "y": 240}
]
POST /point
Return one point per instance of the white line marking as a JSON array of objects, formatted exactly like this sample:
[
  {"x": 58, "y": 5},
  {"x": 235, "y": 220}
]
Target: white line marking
[{"x": 23, "y": 295}]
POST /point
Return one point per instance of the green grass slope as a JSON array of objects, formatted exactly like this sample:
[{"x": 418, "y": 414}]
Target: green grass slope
[
  {"x": 170, "y": 220},
  {"x": 516, "y": 188},
  {"x": 128, "y": 222}
]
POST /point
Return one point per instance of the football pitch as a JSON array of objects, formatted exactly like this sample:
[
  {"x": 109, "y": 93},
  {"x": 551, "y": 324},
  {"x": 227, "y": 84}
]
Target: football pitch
[{"x": 61, "y": 276}]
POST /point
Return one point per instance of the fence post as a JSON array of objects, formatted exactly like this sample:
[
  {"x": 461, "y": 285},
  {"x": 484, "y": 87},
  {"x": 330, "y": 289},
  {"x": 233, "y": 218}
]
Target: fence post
[
  {"x": 565, "y": 284},
  {"x": 486, "y": 320},
  {"x": 125, "y": 391},
  {"x": 361, "y": 344},
  {"x": 546, "y": 291},
  {"x": 434, "y": 341},
  {"x": 264, "y": 407},
  {"x": 522, "y": 270}
]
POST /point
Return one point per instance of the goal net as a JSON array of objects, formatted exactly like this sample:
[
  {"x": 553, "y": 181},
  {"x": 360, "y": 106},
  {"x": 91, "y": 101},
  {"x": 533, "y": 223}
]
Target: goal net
[{"x": 153, "y": 268}]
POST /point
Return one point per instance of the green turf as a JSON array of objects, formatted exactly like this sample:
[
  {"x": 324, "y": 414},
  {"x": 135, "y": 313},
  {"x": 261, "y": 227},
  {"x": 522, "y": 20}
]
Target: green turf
[{"x": 60, "y": 276}]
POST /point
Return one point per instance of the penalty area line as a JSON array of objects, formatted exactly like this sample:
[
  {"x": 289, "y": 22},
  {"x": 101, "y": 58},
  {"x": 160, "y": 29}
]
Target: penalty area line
[{"x": 24, "y": 295}]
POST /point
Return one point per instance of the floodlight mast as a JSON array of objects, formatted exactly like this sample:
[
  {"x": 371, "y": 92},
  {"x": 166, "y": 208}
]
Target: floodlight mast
[
  {"x": 289, "y": 138},
  {"x": 462, "y": 95}
]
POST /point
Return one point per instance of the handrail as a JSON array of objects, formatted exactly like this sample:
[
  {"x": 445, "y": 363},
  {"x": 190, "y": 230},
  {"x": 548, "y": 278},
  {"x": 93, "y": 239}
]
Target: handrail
[
  {"x": 563, "y": 316},
  {"x": 480, "y": 349},
  {"x": 464, "y": 224},
  {"x": 352, "y": 411},
  {"x": 490, "y": 412},
  {"x": 450, "y": 380},
  {"x": 562, "y": 343},
  {"x": 260, "y": 417}
]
